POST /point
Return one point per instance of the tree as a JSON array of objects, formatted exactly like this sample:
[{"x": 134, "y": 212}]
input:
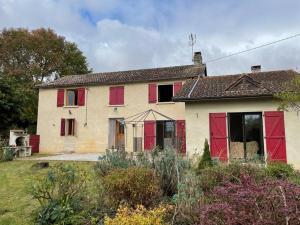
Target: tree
[
  {"x": 205, "y": 160},
  {"x": 28, "y": 58},
  {"x": 290, "y": 100}
]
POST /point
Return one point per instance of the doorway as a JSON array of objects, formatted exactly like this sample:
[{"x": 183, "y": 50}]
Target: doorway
[
  {"x": 165, "y": 134},
  {"x": 246, "y": 136},
  {"x": 116, "y": 138}
]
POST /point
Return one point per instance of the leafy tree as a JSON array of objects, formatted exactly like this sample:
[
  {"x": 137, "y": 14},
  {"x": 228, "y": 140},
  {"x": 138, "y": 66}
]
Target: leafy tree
[
  {"x": 28, "y": 58},
  {"x": 290, "y": 100}
]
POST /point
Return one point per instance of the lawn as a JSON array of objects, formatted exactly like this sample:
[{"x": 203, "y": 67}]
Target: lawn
[{"x": 16, "y": 204}]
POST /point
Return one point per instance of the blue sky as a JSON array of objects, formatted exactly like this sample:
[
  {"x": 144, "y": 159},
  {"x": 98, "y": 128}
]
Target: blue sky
[{"x": 128, "y": 34}]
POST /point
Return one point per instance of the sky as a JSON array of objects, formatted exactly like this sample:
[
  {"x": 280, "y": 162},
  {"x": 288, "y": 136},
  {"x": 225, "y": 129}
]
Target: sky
[{"x": 132, "y": 34}]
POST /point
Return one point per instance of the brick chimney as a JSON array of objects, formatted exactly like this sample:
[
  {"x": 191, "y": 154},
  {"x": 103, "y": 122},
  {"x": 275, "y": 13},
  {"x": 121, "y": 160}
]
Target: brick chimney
[
  {"x": 197, "y": 58},
  {"x": 256, "y": 68}
]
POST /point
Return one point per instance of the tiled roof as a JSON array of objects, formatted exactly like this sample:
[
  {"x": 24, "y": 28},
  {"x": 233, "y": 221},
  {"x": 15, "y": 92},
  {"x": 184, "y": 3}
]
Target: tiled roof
[
  {"x": 236, "y": 86},
  {"x": 130, "y": 76}
]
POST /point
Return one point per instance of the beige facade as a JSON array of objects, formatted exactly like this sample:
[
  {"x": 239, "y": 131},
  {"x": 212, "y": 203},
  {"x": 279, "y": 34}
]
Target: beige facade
[
  {"x": 92, "y": 120},
  {"x": 197, "y": 122}
]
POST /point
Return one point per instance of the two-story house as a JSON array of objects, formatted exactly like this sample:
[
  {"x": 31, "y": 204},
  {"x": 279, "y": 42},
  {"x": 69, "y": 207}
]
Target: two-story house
[{"x": 132, "y": 110}]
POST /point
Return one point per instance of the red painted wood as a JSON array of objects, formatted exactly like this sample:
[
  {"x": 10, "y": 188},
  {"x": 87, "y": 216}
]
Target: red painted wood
[
  {"x": 275, "y": 136},
  {"x": 81, "y": 96},
  {"x": 149, "y": 135},
  {"x": 34, "y": 142},
  {"x": 218, "y": 136},
  {"x": 180, "y": 133},
  {"x": 116, "y": 95},
  {"x": 62, "y": 127},
  {"x": 60, "y": 97},
  {"x": 177, "y": 87},
  {"x": 152, "y": 89}
]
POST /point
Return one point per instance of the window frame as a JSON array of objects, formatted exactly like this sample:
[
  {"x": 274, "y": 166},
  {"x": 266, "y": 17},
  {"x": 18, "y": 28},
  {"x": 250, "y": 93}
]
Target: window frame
[
  {"x": 67, "y": 127},
  {"x": 75, "y": 98},
  {"x": 157, "y": 93}
]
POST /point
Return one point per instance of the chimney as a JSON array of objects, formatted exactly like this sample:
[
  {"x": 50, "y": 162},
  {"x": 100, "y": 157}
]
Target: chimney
[
  {"x": 197, "y": 58},
  {"x": 256, "y": 68}
]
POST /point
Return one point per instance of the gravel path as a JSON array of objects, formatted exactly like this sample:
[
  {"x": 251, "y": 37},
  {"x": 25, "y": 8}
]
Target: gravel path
[{"x": 89, "y": 157}]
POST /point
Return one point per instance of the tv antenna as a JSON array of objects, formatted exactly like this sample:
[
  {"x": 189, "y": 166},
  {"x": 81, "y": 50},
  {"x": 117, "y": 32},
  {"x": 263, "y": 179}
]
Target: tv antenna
[{"x": 192, "y": 42}]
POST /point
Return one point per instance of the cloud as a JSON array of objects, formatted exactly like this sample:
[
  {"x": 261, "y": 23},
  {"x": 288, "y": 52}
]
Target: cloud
[{"x": 120, "y": 35}]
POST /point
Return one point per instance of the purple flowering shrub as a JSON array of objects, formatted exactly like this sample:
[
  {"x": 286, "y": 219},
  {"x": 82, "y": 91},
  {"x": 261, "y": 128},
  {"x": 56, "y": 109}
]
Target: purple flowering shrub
[{"x": 251, "y": 201}]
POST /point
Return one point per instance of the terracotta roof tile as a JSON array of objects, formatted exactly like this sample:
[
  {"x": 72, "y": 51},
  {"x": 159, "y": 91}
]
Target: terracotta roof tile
[{"x": 130, "y": 76}]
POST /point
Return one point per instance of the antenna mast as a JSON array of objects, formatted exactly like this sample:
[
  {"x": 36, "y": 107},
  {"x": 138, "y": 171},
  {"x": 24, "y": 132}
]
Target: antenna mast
[{"x": 192, "y": 42}]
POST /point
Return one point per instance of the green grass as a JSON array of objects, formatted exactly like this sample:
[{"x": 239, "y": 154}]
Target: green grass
[{"x": 16, "y": 204}]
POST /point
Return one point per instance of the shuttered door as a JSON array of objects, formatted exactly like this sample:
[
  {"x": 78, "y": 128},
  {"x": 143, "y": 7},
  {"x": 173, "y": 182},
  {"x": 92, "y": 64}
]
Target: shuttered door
[
  {"x": 62, "y": 127},
  {"x": 218, "y": 136},
  {"x": 60, "y": 97},
  {"x": 180, "y": 133},
  {"x": 81, "y": 96},
  {"x": 275, "y": 136},
  {"x": 177, "y": 87},
  {"x": 152, "y": 93},
  {"x": 34, "y": 142},
  {"x": 149, "y": 135}
]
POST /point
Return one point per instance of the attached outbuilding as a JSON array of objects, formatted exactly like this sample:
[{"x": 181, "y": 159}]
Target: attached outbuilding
[{"x": 239, "y": 116}]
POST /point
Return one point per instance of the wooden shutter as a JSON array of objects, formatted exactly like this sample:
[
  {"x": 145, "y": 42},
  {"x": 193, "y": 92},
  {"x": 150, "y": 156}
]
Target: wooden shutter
[
  {"x": 120, "y": 95},
  {"x": 116, "y": 95},
  {"x": 60, "y": 97},
  {"x": 218, "y": 136},
  {"x": 177, "y": 86},
  {"x": 62, "y": 127},
  {"x": 149, "y": 135},
  {"x": 112, "y": 95},
  {"x": 81, "y": 96},
  {"x": 275, "y": 136},
  {"x": 34, "y": 142},
  {"x": 152, "y": 93},
  {"x": 180, "y": 134}
]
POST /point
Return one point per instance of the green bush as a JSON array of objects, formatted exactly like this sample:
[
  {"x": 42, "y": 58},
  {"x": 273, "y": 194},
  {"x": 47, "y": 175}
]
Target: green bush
[
  {"x": 61, "y": 195},
  {"x": 134, "y": 186},
  {"x": 8, "y": 154},
  {"x": 205, "y": 160},
  {"x": 280, "y": 170},
  {"x": 113, "y": 159}
]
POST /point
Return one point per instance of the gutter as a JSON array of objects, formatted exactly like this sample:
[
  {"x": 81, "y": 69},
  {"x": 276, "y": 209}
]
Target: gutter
[{"x": 193, "y": 88}]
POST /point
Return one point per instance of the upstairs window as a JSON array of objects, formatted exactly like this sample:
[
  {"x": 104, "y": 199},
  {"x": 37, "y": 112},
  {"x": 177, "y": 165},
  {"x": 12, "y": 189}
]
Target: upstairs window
[
  {"x": 116, "y": 95},
  {"x": 165, "y": 93},
  {"x": 72, "y": 98}
]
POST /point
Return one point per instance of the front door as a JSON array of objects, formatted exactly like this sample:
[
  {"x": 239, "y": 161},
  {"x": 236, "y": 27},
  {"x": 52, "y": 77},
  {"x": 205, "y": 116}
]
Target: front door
[{"x": 119, "y": 138}]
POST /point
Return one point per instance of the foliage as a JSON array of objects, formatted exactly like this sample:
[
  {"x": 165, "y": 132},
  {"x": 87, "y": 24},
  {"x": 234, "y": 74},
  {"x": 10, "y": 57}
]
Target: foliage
[
  {"x": 290, "y": 100},
  {"x": 8, "y": 154},
  {"x": 60, "y": 194},
  {"x": 111, "y": 160},
  {"x": 132, "y": 185},
  {"x": 280, "y": 170},
  {"x": 28, "y": 58},
  {"x": 249, "y": 201},
  {"x": 138, "y": 216},
  {"x": 205, "y": 160}
]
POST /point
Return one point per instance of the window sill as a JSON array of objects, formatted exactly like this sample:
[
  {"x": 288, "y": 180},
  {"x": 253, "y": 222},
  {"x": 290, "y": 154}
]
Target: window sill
[
  {"x": 71, "y": 106},
  {"x": 116, "y": 105},
  {"x": 164, "y": 103}
]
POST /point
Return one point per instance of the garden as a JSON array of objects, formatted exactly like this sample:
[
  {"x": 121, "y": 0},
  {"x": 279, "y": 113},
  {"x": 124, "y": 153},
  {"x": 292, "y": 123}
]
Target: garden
[{"x": 157, "y": 188}]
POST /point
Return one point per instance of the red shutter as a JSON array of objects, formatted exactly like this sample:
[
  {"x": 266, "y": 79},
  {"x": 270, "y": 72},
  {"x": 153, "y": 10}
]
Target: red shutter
[
  {"x": 120, "y": 95},
  {"x": 62, "y": 127},
  {"x": 152, "y": 93},
  {"x": 218, "y": 136},
  {"x": 177, "y": 87},
  {"x": 112, "y": 95},
  {"x": 149, "y": 135},
  {"x": 180, "y": 133},
  {"x": 275, "y": 136},
  {"x": 81, "y": 96},
  {"x": 60, "y": 97},
  {"x": 34, "y": 142}
]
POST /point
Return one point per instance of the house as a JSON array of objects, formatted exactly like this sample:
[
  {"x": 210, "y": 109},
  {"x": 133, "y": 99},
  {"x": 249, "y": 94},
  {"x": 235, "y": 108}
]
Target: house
[
  {"x": 131, "y": 110},
  {"x": 238, "y": 115}
]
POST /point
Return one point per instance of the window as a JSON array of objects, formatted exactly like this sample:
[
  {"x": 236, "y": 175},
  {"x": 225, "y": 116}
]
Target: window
[
  {"x": 72, "y": 98},
  {"x": 165, "y": 134},
  {"x": 165, "y": 93},
  {"x": 116, "y": 95},
  {"x": 70, "y": 127}
]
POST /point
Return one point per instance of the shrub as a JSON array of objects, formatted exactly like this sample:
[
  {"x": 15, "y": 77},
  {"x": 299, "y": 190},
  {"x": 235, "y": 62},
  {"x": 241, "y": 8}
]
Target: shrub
[
  {"x": 8, "y": 154},
  {"x": 205, "y": 160},
  {"x": 280, "y": 170},
  {"x": 252, "y": 202},
  {"x": 135, "y": 186},
  {"x": 138, "y": 216},
  {"x": 113, "y": 159},
  {"x": 61, "y": 195}
]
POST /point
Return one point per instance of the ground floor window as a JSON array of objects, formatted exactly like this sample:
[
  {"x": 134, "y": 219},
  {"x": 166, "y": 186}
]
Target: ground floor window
[
  {"x": 165, "y": 134},
  {"x": 245, "y": 136},
  {"x": 71, "y": 127}
]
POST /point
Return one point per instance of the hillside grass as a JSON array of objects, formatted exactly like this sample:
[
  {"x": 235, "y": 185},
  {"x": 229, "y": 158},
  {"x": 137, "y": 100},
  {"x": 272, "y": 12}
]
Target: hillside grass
[{"x": 16, "y": 204}]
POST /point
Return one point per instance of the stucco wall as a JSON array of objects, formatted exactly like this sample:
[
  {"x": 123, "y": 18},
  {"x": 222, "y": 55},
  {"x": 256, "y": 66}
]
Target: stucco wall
[
  {"x": 94, "y": 136},
  {"x": 197, "y": 123}
]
